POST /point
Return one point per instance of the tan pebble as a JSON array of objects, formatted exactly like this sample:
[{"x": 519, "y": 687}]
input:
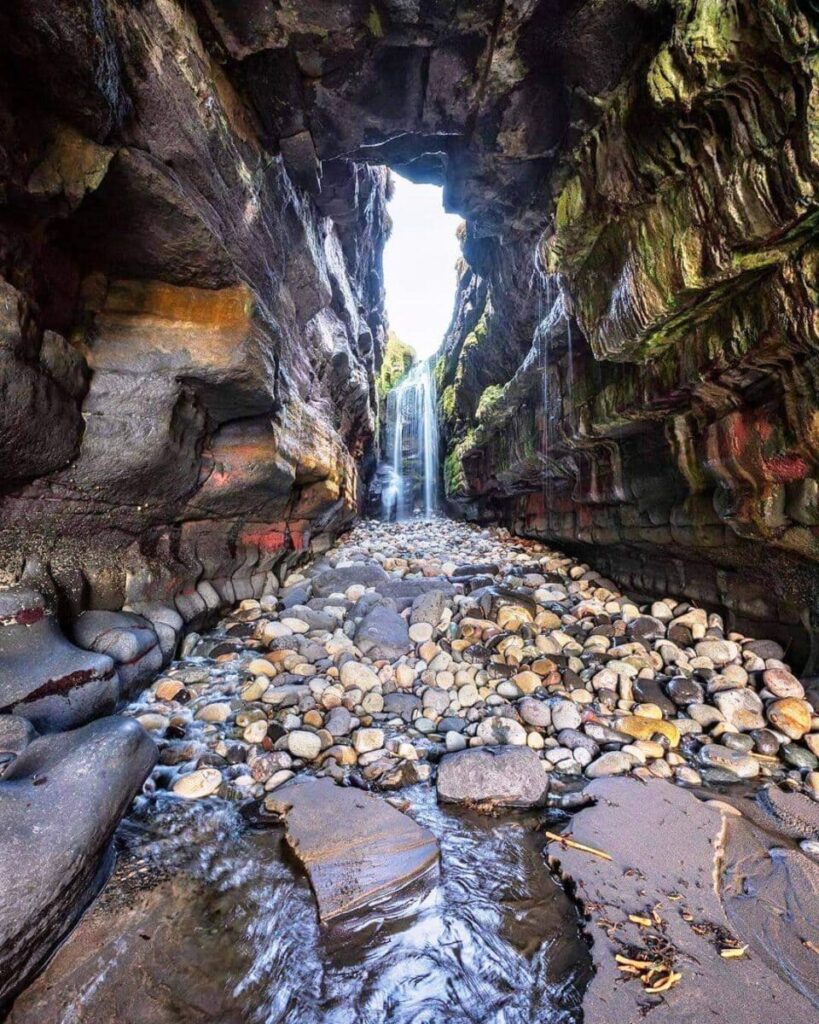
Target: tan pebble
[
  {"x": 420, "y": 632},
  {"x": 367, "y": 740},
  {"x": 427, "y": 651},
  {"x": 254, "y": 691},
  {"x": 276, "y": 780},
  {"x": 356, "y": 674},
  {"x": 216, "y": 712},
  {"x": 373, "y": 702},
  {"x": 444, "y": 679},
  {"x": 153, "y": 722},
  {"x": 199, "y": 784},
  {"x": 314, "y": 718},
  {"x": 256, "y": 731},
  {"x": 262, "y": 667},
  {"x": 790, "y": 716},
  {"x": 653, "y": 750},
  {"x": 168, "y": 689},
  {"x": 404, "y": 675}
]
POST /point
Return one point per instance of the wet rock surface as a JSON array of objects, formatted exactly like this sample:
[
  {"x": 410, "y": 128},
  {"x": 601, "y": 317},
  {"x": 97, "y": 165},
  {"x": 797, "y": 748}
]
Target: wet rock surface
[
  {"x": 60, "y": 802},
  {"x": 671, "y": 907},
  {"x": 355, "y": 847}
]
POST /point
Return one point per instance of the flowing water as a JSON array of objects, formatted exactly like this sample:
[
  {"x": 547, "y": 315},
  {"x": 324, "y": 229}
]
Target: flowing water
[
  {"x": 412, "y": 441},
  {"x": 207, "y": 919}
]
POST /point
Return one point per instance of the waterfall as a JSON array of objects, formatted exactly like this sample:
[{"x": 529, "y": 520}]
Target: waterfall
[{"x": 412, "y": 441}]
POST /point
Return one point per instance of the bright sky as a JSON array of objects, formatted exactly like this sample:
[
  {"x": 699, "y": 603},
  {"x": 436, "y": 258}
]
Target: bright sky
[{"x": 419, "y": 265}]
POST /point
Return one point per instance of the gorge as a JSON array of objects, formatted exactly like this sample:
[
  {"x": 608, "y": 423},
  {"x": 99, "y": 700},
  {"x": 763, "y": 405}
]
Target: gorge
[{"x": 201, "y": 397}]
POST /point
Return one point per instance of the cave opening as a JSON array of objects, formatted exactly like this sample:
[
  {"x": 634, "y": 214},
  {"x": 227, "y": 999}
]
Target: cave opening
[{"x": 233, "y": 409}]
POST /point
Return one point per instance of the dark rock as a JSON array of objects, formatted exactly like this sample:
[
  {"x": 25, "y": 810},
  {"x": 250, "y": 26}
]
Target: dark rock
[
  {"x": 403, "y": 704},
  {"x": 70, "y": 790},
  {"x": 128, "y": 639},
  {"x": 649, "y": 691},
  {"x": 684, "y": 691},
  {"x": 765, "y": 742},
  {"x": 44, "y": 677},
  {"x": 383, "y": 633},
  {"x": 428, "y": 607}
]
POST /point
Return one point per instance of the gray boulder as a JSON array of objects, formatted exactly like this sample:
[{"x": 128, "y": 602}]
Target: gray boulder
[
  {"x": 383, "y": 633},
  {"x": 69, "y": 791},
  {"x": 493, "y": 777},
  {"x": 128, "y": 639}
]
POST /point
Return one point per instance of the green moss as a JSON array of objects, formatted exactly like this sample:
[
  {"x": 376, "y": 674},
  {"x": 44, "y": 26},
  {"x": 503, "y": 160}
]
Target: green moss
[
  {"x": 455, "y": 482},
  {"x": 489, "y": 400},
  {"x": 374, "y": 23},
  {"x": 448, "y": 404},
  {"x": 398, "y": 358}
]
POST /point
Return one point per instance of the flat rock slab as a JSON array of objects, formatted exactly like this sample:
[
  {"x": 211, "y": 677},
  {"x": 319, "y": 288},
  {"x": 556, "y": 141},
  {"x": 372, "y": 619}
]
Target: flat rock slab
[
  {"x": 667, "y": 850},
  {"x": 60, "y": 802},
  {"x": 354, "y": 846},
  {"x": 493, "y": 776}
]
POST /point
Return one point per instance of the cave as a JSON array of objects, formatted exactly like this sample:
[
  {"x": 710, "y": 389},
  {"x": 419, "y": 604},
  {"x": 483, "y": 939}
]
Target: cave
[{"x": 208, "y": 420}]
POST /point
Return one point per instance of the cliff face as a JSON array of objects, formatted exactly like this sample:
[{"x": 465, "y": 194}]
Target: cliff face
[
  {"x": 662, "y": 420},
  {"x": 188, "y": 339},
  {"x": 190, "y": 236}
]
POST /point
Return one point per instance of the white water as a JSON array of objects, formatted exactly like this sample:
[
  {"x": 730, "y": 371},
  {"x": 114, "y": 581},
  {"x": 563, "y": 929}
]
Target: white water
[{"x": 412, "y": 441}]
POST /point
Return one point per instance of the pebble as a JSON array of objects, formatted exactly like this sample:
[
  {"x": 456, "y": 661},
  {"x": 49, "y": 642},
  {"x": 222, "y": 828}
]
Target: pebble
[
  {"x": 199, "y": 784},
  {"x": 306, "y": 745},
  {"x": 790, "y": 716},
  {"x": 614, "y": 762},
  {"x": 540, "y": 652}
]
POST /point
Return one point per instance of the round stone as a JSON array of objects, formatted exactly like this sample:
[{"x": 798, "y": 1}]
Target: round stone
[
  {"x": 765, "y": 742},
  {"x": 420, "y": 632},
  {"x": 535, "y": 712},
  {"x": 199, "y": 784},
  {"x": 782, "y": 683},
  {"x": 355, "y": 674},
  {"x": 306, "y": 745},
  {"x": 500, "y": 730},
  {"x": 217, "y": 712},
  {"x": 741, "y": 708},
  {"x": 366, "y": 740},
  {"x": 615, "y": 762},
  {"x": 719, "y": 652},
  {"x": 566, "y": 715},
  {"x": 256, "y": 731},
  {"x": 468, "y": 695},
  {"x": 790, "y": 716}
]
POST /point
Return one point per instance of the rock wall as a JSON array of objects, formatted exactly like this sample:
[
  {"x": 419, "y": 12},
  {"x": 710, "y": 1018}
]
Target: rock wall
[
  {"x": 650, "y": 400},
  {"x": 190, "y": 239},
  {"x": 188, "y": 339}
]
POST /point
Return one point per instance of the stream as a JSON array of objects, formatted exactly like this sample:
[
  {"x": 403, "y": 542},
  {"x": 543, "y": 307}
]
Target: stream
[{"x": 207, "y": 918}]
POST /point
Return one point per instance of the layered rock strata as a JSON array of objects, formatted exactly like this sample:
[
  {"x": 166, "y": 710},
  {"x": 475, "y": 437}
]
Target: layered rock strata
[
  {"x": 658, "y": 416},
  {"x": 188, "y": 339}
]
